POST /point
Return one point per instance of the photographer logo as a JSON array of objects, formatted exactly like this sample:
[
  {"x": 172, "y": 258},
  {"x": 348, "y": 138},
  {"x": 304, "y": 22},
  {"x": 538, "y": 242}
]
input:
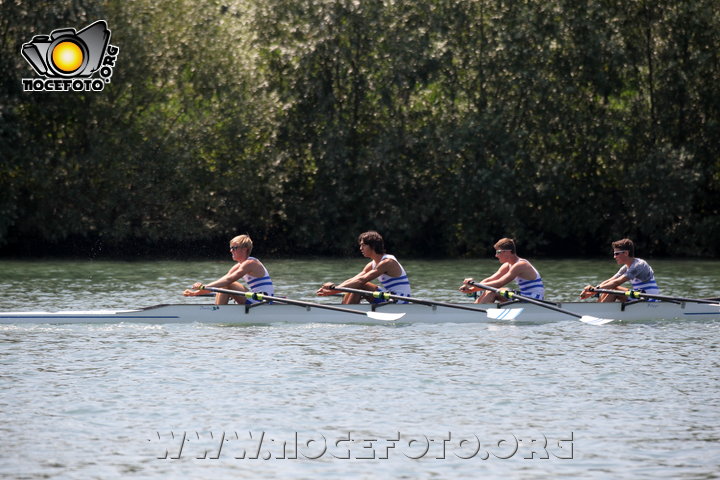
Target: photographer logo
[{"x": 67, "y": 59}]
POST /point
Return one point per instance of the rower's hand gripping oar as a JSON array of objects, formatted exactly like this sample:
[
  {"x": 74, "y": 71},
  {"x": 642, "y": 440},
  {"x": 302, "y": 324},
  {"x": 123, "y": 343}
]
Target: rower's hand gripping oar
[
  {"x": 262, "y": 297},
  {"x": 494, "y": 313},
  {"x": 639, "y": 295},
  {"x": 510, "y": 295}
]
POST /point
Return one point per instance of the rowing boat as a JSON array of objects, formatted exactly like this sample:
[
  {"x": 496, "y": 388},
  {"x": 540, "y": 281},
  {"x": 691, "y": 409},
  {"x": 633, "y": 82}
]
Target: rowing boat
[{"x": 414, "y": 313}]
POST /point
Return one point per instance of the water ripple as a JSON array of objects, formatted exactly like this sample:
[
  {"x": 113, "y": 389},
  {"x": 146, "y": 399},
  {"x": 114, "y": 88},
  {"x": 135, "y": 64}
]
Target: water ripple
[{"x": 638, "y": 400}]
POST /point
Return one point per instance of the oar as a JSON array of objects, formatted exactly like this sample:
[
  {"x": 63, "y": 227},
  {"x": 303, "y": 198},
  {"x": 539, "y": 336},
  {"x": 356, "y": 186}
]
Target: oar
[
  {"x": 262, "y": 297},
  {"x": 494, "y": 313},
  {"x": 508, "y": 294},
  {"x": 636, "y": 294}
]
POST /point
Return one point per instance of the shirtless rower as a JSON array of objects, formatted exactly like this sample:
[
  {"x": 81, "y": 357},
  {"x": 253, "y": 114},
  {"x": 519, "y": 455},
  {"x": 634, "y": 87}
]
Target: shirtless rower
[
  {"x": 250, "y": 269},
  {"x": 513, "y": 268},
  {"x": 383, "y": 267}
]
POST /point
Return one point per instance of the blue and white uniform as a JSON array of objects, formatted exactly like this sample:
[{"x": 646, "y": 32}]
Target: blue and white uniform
[
  {"x": 641, "y": 276},
  {"x": 394, "y": 285},
  {"x": 262, "y": 284},
  {"x": 531, "y": 288}
]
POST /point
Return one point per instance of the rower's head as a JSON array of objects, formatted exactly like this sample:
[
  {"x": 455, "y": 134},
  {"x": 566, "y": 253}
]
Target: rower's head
[
  {"x": 623, "y": 248},
  {"x": 504, "y": 247},
  {"x": 373, "y": 240},
  {"x": 240, "y": 243}
]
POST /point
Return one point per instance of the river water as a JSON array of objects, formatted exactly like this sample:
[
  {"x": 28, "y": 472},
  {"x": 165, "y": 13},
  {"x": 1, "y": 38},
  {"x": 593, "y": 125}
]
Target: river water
[{"x": 557, "y": 400}]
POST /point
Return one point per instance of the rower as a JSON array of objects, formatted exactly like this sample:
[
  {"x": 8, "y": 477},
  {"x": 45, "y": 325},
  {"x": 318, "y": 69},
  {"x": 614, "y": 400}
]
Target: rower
[
  {"x": 250, "y": 269},
  {"x": 512, "y": 268},
  {"x": 634, "y": 270},
  {"x": 383, "y": 267}
]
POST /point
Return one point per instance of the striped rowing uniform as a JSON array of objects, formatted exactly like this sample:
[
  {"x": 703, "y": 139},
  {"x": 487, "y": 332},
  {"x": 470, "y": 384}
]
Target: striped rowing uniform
[
  {"x": 394, "y": 285},
  {"x": 531, "y": 288},
  {"x": 641, "y": 276},
  {"x": 262, "y": 284}
]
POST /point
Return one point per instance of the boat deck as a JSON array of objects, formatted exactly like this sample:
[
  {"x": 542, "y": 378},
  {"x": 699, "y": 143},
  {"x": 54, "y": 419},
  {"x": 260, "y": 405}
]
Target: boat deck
[{"x": 414, "y": 313}]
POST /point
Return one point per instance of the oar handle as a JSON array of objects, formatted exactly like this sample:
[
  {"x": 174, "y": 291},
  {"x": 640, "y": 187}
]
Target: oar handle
[
  {"x": 503, "y": 292},
  {"x": 639, "y": 295},
  {"x": 367, "y": 293},
  {"x": 626, "y": 293},
  {"x": 512, "y": 295},
  {"x": 262, "y": 297},
  {"x": 390, "y": 296}
]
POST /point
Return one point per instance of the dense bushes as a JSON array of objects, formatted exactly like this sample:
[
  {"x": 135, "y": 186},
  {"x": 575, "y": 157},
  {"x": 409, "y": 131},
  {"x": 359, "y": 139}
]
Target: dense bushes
[{"x": 442, "y": 123}]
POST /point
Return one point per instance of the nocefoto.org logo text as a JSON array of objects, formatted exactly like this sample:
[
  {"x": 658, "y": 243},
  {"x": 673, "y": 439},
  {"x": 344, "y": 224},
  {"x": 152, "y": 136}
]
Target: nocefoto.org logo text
[{"x": 67, "y": 59}]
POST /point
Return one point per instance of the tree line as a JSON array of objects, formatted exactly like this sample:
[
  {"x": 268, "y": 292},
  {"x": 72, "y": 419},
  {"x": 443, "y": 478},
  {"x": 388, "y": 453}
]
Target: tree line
[{"x": 443, "y": 124}]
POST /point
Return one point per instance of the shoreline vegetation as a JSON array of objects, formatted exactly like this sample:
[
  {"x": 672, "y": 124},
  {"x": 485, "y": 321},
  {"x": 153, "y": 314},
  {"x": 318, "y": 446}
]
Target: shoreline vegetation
[
  {"x": 217, "y": 252},
  {"x": 442, "y": 124}
]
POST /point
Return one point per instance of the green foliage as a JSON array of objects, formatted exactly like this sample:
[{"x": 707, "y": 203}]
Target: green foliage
[{"x": 444, "y": 124}]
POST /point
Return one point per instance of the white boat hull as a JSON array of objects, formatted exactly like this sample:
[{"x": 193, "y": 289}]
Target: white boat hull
[{"x": 414, "y": 313}]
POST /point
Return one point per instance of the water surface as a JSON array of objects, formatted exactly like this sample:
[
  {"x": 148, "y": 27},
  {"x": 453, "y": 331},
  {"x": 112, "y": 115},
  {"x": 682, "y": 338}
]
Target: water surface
[{"x": 558, "y": 400}]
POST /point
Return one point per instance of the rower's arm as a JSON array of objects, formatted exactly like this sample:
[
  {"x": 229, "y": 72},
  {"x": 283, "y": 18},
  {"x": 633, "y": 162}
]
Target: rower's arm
[
  {"x": 226, "y": 280},
  {"x": 353, "y": 282},
  {"x": 614, "y": 282},
  {"x": 368, "y": 274},
  {"x": 502, "y": 277},
  {"x": 491, "y": 280},
  {"x": 238, "y": 271}
]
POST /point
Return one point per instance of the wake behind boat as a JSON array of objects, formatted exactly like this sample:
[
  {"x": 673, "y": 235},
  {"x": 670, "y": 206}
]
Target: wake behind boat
[{"x": 269, "y": 313}]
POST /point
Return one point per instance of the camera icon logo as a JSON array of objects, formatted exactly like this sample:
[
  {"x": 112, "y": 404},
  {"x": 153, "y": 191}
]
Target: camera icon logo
[{"x": 67, "y": 54}]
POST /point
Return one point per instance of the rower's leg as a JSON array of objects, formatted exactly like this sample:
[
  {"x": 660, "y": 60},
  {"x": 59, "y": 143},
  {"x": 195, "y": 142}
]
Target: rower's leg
[
  {"x": 224, "y": 298},
  {"x": 350, "y": 298},
  {"x": 606, "y": 298},
  {"x": 487, "y": 297},
  {"x": 610, "y": 297}
]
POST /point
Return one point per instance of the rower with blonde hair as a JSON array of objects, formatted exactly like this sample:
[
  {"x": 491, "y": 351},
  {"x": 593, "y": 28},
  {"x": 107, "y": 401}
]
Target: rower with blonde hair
[{"x": 247, "y": 268}]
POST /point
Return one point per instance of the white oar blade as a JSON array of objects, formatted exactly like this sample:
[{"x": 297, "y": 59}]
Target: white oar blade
[
  {"x": 503, "y": 313},
  {"x": 388, "y": 317},
  {"x": 595, "y": 320}
]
